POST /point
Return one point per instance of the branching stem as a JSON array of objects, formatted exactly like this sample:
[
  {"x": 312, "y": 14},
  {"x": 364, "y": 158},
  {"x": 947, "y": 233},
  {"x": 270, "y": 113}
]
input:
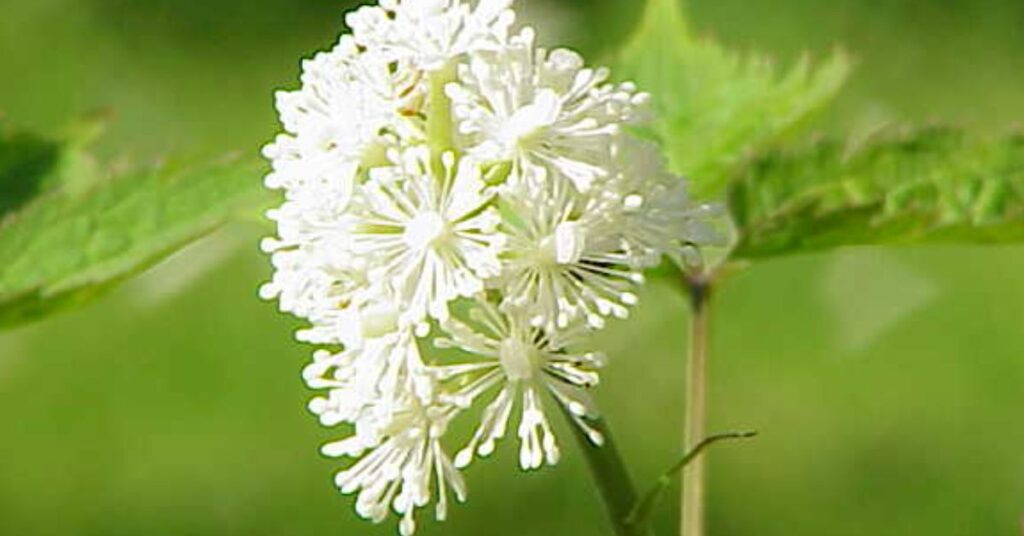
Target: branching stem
[{"x": 641, "y": 513}]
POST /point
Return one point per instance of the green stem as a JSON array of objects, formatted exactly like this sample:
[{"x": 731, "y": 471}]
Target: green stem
[
  {"x": 641, "y": 513},
  {"x": 695, "y": 426},
  {"x": 611, "y": 476},
  {"x": 440, "y": 122}
]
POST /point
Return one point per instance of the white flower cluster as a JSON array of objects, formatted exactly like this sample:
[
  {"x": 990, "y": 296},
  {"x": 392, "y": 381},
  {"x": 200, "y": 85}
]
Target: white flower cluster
[{"x": 460, "y": 206}]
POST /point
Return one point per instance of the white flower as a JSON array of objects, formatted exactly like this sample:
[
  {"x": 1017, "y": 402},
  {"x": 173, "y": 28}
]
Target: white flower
[
  {"x": 432, "y": 32},
  {"x": 433, "y": 160},
  {"x": 533, "y": 107},
  {"x": 431, "y": 239},
  {"x": 405, "y": 468},
  {"x": 315, "y": 278},
  {"x": 651, "y": 208},
  {"x": 566, "y": 256},
  {"x": 304, "y": 164},
  {"x": 347, "y": 103},
  {"x": 525, "y": 364},
  {"x": 367, "y": 384}
]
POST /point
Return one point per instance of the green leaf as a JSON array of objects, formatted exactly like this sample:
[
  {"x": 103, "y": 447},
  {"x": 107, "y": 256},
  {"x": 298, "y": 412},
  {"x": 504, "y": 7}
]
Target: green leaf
[
  {"x": 32, "y": 165},
  {"x": 927, "y": 185},
  {"x": 78, "y": 170},
  {"x": 69, "y": 246},
  {"x": 712, "y": 107},
  {"x": 26, "y": 163}
]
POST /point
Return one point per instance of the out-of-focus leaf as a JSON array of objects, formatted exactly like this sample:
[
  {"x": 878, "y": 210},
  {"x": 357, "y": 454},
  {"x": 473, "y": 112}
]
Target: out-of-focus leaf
[
  {"x": 66, "y": 247},
  {"x": 78, "y": 169},
  {"x": 927, "y": 185},
  {"x": 32, "y": 165},
  {"x": 713, "y": 107},
  {"x": 26, "y": 163}
]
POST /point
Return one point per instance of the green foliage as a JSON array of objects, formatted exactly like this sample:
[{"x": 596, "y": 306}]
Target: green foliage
[
  {"x": 26, "y": 164},
  {"x": 31, "y": 165},
  {"x": 713, "y": 107},
  {"x": 926, "y": 185},
  {"x": 70, "y": 245},
  {"x": 66, "y": 234}
]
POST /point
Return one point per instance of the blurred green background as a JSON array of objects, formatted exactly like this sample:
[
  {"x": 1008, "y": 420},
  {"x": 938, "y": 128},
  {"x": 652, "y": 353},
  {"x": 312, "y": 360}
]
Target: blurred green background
[{"x": 888, "y": 384}]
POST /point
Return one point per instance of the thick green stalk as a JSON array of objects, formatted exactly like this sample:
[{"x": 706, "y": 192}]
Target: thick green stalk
[
  {"x": 695, "y": 426},
  {"x": 611, "y": 477}
]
